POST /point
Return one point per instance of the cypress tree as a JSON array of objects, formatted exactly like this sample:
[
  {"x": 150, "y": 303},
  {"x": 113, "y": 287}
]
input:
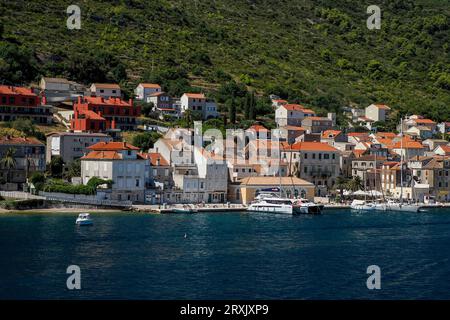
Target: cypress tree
[
  {"x": 247, "y": 107},
  {"x": 232, "y": 111}
]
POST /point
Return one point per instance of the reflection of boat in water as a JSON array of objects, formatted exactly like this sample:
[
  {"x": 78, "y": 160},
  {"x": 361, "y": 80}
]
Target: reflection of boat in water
[
  {"x": 84, "y": 219},
  {"x": 185, "y": 209},
  {"x": 273, "y": 204}
]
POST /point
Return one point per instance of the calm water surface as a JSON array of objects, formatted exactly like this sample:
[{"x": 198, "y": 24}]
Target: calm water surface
[{"x": 226, "y": 256}]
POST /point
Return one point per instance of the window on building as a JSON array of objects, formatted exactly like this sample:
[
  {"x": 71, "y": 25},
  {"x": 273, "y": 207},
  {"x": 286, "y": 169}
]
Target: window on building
[
  {"x": 326, "y": 156},
  {"x": 313, "y": 155},
  {"x": 320, "y": 156},
  {"x": 137, "y": 182},
  {"x": 334, "y": 156}
]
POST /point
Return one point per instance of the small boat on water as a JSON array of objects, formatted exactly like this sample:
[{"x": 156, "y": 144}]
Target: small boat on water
[
  {"x": 273, "y": 204},
  {"x": 84, "y": 219},
  {"x": 362, "y": 205}
]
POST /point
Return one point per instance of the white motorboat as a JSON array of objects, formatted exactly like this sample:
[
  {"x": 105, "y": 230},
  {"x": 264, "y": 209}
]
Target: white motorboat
[
  {"x": 362, "y": 205},
  {"x": 284, "y": 205},
  {"x": 308, "y": 207},
  {"x": 84, "y": 219}
]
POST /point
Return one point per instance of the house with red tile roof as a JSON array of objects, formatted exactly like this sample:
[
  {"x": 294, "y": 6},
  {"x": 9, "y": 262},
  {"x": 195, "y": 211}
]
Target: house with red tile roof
[
  {"x": 120, "y": 162},
  {"x": 291, "y": 133},
  {"x": 160, "y": 173},
  {"x": 21, "y": 102},
  {"x": 105, "y": 90},
  {"x": 197, "y": 102},
  {"x": 355, "y": 137},
  {"x": 419, "y": 122},
  {"x": 315, "y": 162},
  {"x": 278, "y": 102},
  {"x": 97, "y": 114},
  {"x": 292, "y": 114},
  {"x": 144, "y": 90},
  {"x": 332, "y": 136},
  {"x": 442, "y": 150},
  {"x": 433, "y": 171},
  {"x": 317, "y": 124},
  {"x": 163, "y": 104},
  {"x": 258, "y": 131},
  {"x": 408, "y": 147}
]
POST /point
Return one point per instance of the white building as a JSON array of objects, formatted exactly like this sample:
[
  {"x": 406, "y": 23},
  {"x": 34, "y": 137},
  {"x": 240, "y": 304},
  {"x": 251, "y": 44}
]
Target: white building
[
  {"x": 197, "y": 102},
  {"x": 144, "y": 90},
  {"x": 57, "y": 90},
  {"x": 377, "y": 112},
  {"x": 105, "y": 90},
  {"x": 72, "y": 145},
  {"x": 442, "y": 150},
  {"x": 292, "y": 114},
  {"x": 119, "y": 162},
  {"x": 408, "y": 148}
]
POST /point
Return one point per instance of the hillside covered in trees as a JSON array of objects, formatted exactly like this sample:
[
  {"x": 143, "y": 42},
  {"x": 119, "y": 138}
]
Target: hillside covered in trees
[{"x": 319, "y": 53}]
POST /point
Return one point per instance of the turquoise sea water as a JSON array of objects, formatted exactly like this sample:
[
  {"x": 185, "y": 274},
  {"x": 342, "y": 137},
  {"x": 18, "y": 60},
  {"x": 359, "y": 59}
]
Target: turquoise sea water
[{"x": 226, "y": 256}]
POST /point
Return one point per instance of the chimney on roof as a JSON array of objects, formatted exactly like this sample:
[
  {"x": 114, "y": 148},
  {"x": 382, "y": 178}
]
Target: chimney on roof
[{"x": 158, "y": 161}]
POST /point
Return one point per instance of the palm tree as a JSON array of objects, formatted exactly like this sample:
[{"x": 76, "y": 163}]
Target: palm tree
[
  {"x": 355, "y": 184},
  {"x": 9, "y": 162},
  {"x": 341, "y": 184}
]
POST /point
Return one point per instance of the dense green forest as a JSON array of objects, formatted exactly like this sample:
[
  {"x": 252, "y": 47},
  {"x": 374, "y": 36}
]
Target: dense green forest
[{"x": 319, "y": 53}]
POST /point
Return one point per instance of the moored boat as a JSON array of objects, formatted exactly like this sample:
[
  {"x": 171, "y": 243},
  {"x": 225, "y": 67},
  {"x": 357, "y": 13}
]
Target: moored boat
[
  {"x": 362, "y": 205},
  {"x": 284, "y": 206},
  {"x": 397, "y": 206},
  {"x": 84, "y": 219}
]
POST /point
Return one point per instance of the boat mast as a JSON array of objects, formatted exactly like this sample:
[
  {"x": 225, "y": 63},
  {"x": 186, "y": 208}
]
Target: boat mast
[
  {"x": 401, "y": 161},
  {"x": 279, "y": 156},
  {"x": 375, "y": 196}
]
